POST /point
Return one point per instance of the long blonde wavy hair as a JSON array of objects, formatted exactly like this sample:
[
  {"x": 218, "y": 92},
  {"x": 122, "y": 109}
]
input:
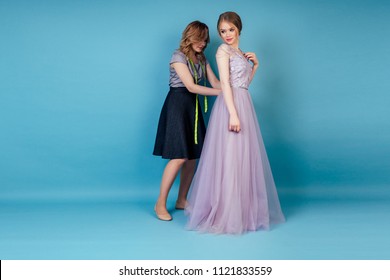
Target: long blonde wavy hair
[{"x": 195, "y": 32}]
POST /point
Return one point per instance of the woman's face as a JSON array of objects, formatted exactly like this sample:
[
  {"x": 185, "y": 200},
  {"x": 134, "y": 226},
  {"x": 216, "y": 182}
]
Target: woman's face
[
  {"x": 229, "y": 33},
  {"x": 198, "y": 47}
]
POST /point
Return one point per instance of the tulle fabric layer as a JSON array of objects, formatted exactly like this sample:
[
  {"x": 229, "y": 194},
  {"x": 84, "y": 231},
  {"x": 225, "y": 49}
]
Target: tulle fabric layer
[{"x": 233, "y": 190}]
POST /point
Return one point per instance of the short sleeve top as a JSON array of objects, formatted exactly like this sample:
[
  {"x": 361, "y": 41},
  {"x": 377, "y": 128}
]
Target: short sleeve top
[{"x": 174, "y": 80}]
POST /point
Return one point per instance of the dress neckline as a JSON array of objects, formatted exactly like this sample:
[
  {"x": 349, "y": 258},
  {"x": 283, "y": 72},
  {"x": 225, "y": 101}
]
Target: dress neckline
[{"x": 238, "y": 52}]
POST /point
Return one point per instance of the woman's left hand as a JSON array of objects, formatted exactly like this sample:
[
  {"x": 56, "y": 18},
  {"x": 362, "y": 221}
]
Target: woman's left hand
[{"x": 252, "y": 57}]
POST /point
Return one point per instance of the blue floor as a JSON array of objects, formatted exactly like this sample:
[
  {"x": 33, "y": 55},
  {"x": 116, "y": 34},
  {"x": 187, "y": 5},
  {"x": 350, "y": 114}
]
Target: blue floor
[{"x": 124, "y": 227}]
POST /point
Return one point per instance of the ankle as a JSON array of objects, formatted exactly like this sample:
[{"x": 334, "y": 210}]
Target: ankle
[
  {"x": 181, "y": 201},
  {"x": 161, "y": 203}
]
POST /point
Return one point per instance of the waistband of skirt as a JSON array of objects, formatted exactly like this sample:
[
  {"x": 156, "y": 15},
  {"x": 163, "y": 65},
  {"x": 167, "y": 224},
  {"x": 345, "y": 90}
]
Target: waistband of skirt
[{"x": 178, "y": 89}]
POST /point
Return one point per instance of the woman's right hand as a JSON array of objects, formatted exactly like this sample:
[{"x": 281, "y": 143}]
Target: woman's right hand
[{"x": 234, "y": 123}]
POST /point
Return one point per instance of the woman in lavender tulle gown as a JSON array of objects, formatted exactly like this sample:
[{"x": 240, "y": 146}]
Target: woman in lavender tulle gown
[{"x": 233, "y": 190}]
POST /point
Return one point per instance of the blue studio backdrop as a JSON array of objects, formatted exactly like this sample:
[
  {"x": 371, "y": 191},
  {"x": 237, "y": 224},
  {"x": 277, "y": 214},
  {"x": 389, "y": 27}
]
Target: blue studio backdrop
[{"x": 82, "y": 84}]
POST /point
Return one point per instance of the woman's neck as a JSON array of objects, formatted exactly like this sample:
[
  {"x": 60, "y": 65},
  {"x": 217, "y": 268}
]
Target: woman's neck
[
  {"x": 194, "y": 58},
  {"x": 235, "y": 46}
]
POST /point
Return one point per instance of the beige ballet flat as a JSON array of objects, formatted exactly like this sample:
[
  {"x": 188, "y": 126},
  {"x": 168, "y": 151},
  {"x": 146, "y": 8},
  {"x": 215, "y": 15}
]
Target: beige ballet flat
[{"x": 163, "y": 217}]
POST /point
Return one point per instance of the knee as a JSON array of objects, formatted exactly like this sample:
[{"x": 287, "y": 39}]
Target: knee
[
  {"x": 179, "y": 161},
  {"x": 191, "y": 163}
]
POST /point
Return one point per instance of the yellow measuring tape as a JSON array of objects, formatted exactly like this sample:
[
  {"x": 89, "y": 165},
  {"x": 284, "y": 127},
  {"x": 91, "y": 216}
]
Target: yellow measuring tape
[{"x": 197, "y": 99}]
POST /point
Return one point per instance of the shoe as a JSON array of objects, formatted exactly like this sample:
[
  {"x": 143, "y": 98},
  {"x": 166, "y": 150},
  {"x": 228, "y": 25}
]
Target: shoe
[
  {"x": 163, "y": 217},
  {"x": 180, "y": 206}
]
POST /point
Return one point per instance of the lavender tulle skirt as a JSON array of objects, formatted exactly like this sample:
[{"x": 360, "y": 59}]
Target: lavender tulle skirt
[{"x": 233, "y": 190}]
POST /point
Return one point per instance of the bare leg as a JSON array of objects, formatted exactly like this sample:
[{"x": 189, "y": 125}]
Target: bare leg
[
  {"x": 187, "y": 173},
  {"x": 169, "y": 175}
]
